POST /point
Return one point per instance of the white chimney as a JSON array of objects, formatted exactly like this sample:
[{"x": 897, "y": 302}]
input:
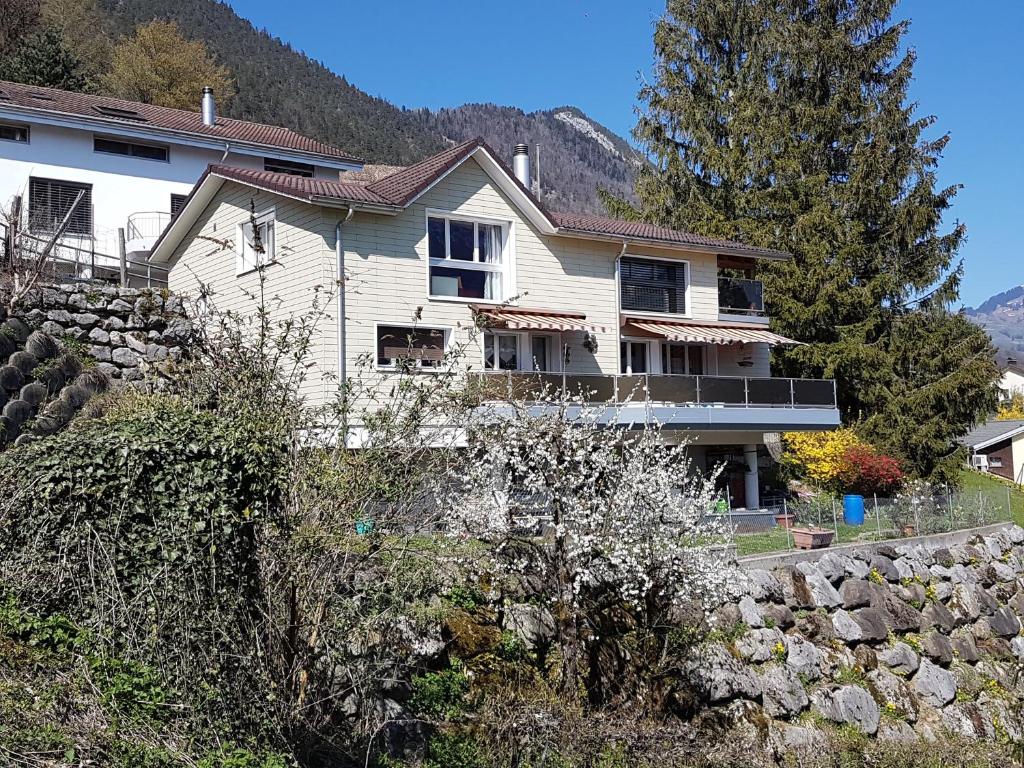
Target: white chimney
[
  {"x": 521, "y": 164},
  {"x": 209, "y": 107}
]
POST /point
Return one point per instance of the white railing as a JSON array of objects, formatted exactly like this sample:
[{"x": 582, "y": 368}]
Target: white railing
[{"x": 146, "y": 225}]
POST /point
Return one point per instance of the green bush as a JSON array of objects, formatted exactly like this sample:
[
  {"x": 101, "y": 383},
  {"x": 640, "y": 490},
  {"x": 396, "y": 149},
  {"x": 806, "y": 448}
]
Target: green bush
[
  {"x": 439, "y": 695},
  {"x": 454, "y": 751}
]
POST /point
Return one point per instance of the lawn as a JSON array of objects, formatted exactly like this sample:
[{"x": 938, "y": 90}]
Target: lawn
[{"x": 994, "y": 489}]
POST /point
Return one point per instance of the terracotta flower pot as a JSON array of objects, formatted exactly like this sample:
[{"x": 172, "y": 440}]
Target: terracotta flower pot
[
  {"x": 909, "y": 530},
  {"x": 785, "y": 520},
  {"x": 811, "y": 538}
]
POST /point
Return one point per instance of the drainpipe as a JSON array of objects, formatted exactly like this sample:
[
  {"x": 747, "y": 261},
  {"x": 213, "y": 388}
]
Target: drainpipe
[
  {"x": 618, "y": 314},
  {"x": 339, "y": 251}
]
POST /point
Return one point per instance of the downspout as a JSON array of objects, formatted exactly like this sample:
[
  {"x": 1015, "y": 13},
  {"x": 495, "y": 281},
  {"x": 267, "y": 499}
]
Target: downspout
[
  {"x": 339, "y": 251},
  {"x": 618, "y": 315},
  {"x": 227, "y": 151}
]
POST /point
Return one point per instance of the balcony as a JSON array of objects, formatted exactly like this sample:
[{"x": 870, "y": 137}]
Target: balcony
[
  {"x": 737, "y": 296},
  {"x": 708, "y": 402},
  {"x": 143, "y": 229}
]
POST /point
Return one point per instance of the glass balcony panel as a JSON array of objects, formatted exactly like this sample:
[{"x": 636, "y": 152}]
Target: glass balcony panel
[
  {"x": 632, "y": 389},
  {"x": 819, "y": 392},
  {"x": 768, "y": 392},
  {"x": 592, "y": 388},
  {"x": 740, "y": 296},
  {"x": 673, "y": 389},
  {"x": 715, "y": 389}
]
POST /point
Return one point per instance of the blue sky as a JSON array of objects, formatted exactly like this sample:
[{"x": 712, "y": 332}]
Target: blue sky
[{"x": 593, "y": 54}]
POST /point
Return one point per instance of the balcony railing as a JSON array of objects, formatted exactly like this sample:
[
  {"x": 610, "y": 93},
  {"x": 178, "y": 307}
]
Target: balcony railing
[
  {"x": 653, "y": 389},
  {"x": 740, "y": 297},
  {"x": 147, "y": 225}
]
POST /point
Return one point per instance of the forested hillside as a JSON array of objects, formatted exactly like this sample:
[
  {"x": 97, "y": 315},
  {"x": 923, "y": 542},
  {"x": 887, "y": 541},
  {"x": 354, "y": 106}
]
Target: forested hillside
[
  {"x": 1002, "y": 316},
  {"x": 277, "y": 84}
]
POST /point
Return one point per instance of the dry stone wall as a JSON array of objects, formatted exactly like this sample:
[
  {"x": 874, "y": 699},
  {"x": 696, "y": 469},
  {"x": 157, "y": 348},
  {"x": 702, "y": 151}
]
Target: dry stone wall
[
  {"x": 901, "y": 643},
  {"x": 125, "y": 330}
]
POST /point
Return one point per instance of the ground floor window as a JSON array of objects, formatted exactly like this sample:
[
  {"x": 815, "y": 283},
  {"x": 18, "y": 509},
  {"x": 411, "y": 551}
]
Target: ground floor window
[
  {"x": 519, "y": 351},
  {"x": 416, "y": 346}
]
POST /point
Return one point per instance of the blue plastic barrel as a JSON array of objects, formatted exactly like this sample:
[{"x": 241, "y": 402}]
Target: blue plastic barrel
[{"x": 853, "y": 509}]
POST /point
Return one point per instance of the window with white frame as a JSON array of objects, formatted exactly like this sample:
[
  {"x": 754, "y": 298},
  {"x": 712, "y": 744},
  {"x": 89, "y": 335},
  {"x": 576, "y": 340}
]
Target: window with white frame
[
  {"x": 12, "y": 132},
  {"x": 508, "y": 351},
  {"x": 501, "y": 351},
  {"x": 653, "y": 285},
  {"x": 413, "y": 346},
  {"x": 255, "y": 243},
  {"x": 634, "y": 357},
  {"x": 995, "y": 461},
  {"x": 467, "y": 258},
  {"x": 542, "y": 352},
  {"x": 685, "y": 359}
]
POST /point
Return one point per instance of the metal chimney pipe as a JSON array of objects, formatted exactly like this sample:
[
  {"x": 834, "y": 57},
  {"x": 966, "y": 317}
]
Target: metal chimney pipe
[
  {"x": 209, "y": 107},
  {"x": 521, "y": 164}
]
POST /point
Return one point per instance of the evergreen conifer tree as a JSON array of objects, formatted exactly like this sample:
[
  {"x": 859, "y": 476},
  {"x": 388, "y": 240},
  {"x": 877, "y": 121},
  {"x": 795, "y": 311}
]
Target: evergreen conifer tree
[
  {"x": 785, "y": 123},
  {"x": 42, "y": 59}
]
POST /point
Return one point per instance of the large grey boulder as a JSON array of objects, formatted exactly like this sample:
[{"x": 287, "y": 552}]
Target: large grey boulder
[
  {"x": 884, "y": 566},
  {"x": 846, "y": 629},
  {"x": 939, "y": 616},
  {"x": 934, "y": 685},
  {"x": 750, "y": 612},
  {"x": 1004, "y": 623},
  {"x": 937, "y": 648},
  {"x": 900, "y": 658},
  {"x": 533, "y": 624},
  {"x": 849, "y": 704},
  {"x": 964, "y": 605},
  {"x": 778, "y": 615},
  {"x": 1017, "y": 645},
  {"x": 873, "y": 624},
  {"x": 783, "y": 694},
  {"x": 759, "y": 645},
  {"x": 719, "y": 676},
  {"x": 822, "y": 591},
  {"x": 763, "y": 586},
  {"x": 896, "y": 732},
  {"x": 964, "y": 647},
  {"x": 795, "y": 589},
  {"x": 803, "y": 657},
  {"x": 900, "y": 616},
  {"x": 857, "y": 593},
  {"x": 894, "y": 690},
  {"x": 967, "y": 719}
]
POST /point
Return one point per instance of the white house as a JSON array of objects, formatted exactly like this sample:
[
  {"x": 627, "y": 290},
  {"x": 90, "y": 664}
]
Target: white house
[
  {"x": 1012, "y": 381},
  {"x": 133, "y": 164},
  {"x": 666, "y": 324}
]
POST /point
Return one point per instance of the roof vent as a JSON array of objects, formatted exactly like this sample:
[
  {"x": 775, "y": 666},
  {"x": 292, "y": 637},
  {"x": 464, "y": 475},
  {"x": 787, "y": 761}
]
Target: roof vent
[
  {"x": 209, "y": 107},
  {"x": 521, "y": 164},
  {"x": 123, "y": 114}
]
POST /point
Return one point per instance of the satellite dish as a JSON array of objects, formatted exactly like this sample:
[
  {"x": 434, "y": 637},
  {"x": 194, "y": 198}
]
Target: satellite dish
[{"x": 773, "y": 442}]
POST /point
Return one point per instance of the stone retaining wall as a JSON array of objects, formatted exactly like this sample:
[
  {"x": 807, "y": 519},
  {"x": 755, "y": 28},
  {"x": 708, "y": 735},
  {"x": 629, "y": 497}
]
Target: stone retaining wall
[
  {"x": 903, "y": 643},
  {"x": 124, "y": 329}
]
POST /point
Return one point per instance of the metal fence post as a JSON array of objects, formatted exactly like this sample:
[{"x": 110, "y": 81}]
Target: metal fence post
[
  {"x": 835, "y": 523},
  {"x": 878, "y": 520},
  {"x": 949, "y": 506},
  {"x": 981, "y": 508},
  {"x": 1009, "y": 504},
  {"x": 789, "y": 525}
]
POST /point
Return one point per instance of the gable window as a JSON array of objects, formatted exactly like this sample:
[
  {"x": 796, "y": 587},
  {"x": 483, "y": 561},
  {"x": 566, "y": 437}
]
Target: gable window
[
  {"x": 288, "y": 166},
  {"x": 648, "y": 285},
  {"x": 466, "y": 258},
  {"x": 50, "y": 200},
  {"x": 10, "y": 132},
  {"x": 255, "y": 243},
  {"x": 130, "y": 149},
  {"x": 411, "y": 346}
]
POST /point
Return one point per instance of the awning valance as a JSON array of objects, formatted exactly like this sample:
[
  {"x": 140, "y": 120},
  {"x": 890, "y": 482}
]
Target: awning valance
[
  {"x": 708, "y": 334},
  {"x": 518, "y": 319}
]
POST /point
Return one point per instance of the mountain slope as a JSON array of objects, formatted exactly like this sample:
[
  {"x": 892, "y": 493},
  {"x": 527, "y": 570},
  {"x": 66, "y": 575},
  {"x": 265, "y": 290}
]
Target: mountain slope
[
  {"x": 280, "y": 85},
  {"x": 1003, "y": 317}
]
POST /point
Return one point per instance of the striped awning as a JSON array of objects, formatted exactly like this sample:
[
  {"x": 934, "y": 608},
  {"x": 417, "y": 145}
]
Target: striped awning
[
  {"x": 516, "y": 319},
  {"x": 709, "y": 334}
]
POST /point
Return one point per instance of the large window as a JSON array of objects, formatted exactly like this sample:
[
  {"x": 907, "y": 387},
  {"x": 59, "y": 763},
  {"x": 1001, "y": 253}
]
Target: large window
[
  {"x": 130, "y": 149},
  {"x": 634, "y": 357},
  {"x": 501, "y": 351},
  {"x": 49, "y": 201},
  {"x": 10, "y": 132},
  {"x": 413, "y": 346},
  {"x": 255, "y": 247},
  {"x": 648, "y": 285},
  {"x": 288, "y": 166},
  {"x": 683, "y": 359},
  {"x": 466, "y": 258}
]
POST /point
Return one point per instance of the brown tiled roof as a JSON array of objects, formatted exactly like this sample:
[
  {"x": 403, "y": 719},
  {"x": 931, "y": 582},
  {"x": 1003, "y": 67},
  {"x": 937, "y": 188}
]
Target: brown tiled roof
[
  {"x": 142, "y": 116},
  {"x": 301, "y": 187},
  {"x": 638, "y": 230},
  {"x": 400, "y": 188}
]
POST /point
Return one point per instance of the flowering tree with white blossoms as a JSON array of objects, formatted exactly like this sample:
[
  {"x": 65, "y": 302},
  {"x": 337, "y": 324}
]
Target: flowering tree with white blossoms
[{"x": 604, "y": 517}]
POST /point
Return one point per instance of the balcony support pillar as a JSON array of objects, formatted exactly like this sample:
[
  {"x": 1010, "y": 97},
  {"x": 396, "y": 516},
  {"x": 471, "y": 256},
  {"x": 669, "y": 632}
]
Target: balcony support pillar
[{"x": 751, "y": 481}]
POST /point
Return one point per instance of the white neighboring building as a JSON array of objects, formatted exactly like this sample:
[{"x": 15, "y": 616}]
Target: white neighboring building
[
  {"x": 136, "y": 164},
  {"x": 1012, "y": 382}
]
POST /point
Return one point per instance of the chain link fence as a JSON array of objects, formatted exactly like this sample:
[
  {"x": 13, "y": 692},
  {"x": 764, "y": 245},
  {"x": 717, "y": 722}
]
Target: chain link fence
[{"x": 820, "y": 521}]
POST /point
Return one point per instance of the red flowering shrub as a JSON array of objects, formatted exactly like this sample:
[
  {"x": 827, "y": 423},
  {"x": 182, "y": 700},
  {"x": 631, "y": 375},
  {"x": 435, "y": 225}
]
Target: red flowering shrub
[{"x": 868, "y": 472}]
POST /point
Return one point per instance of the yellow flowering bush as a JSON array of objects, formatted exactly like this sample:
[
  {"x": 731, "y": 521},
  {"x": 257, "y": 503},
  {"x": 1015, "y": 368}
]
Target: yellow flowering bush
[
  {"x": 1012, "y": 408},
  {"x": 820, "y": 457}
]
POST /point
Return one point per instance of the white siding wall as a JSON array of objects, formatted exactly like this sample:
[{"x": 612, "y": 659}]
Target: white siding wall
[
  {"x": 387, "y": 269},
  {"x": 289, "y": 290},
  {"x": 121, "y": 185}
]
